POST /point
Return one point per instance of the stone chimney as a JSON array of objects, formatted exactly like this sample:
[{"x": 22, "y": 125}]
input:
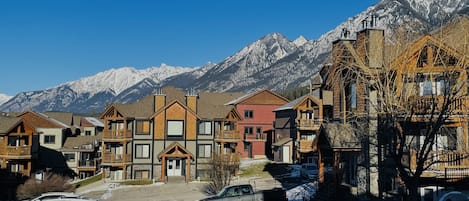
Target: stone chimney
[{"x": 370, "y": 43}]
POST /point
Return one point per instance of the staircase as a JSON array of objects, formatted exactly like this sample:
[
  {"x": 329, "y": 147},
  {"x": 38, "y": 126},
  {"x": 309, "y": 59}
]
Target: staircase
[{"x": 176, "y": 179}]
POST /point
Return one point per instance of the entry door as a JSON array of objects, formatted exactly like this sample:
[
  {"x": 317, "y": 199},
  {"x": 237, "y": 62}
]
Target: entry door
[
  {"x": 174, "y": 167},
  {"x": 286, "y": 154},
  {"x": 250, "y": 150}
]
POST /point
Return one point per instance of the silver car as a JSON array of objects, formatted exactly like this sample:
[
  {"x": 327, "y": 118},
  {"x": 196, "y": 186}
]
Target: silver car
[{"x": 61, "y": 196}]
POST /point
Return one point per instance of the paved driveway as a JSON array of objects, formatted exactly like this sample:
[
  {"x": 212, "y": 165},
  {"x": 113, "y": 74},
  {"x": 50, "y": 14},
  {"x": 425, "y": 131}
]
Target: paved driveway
[{"x": 166, "y": 192}]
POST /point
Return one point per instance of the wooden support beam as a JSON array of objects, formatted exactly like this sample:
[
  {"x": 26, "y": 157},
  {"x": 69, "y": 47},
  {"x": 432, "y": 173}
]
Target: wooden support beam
[{"x": 163, "y": 167}]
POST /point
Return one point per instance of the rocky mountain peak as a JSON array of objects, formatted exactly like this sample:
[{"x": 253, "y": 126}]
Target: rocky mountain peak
[{"x": 300, "y": 41}]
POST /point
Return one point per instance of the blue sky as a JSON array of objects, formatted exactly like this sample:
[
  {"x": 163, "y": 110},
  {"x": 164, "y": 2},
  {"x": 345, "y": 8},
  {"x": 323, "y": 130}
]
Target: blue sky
[{"x": 45, "y": 43}]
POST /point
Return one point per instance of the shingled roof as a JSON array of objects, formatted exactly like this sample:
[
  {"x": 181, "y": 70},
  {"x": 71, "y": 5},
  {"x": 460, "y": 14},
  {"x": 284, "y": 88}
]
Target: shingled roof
[
  {"x": 7, "y": 123},
  {"x": 212, "y": 105},
  {"x": 142, "y": 108},
  {"x": 64, "y": 117},
  {"x": 40, "y": 120},
  {"x": 341, "y": 136},
  {"x": 80, "y": 143},
  {"x": 91, "y": 122}
]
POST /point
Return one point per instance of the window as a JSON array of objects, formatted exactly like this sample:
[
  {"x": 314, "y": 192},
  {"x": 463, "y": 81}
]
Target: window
[
  {"x": 258, "y": 132},
  {"x": 142, "y": 127},
  {"x": 443, "y": 86},
  {"x": 175, "y": 128},
  {"x": 142, "y": 151},
  {"x": 426, "y": 87},
  {"x": 205, "y": 151},
  {"x": 246, "y": 146},
  {"x": 248, "y": 130},
  {"x": 49, "y": 139},
  {"x": 142, "y": 174},
  {"x": 353, "y": 96},
  {"x": 248, "y": 114},
  {"x": 205, "y": 128},
  {"x": 69, "y": 157},
  {"x": 307, "y": 114}
]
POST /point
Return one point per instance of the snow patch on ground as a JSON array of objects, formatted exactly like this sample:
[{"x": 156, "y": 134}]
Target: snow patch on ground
[
  {"x": 304, "y": 192},
  {"x": 248, "y": 162}
]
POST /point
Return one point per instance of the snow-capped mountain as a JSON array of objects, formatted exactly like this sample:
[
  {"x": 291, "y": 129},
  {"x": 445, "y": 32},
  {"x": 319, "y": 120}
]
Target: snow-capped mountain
[
  {"x": 4, "y": 98},
  {"x": 292, "y": 63},
  {"x": 273, "y": 62},
  {"x": 90, "y": 94},
  {"x": 235, "y": 72}
]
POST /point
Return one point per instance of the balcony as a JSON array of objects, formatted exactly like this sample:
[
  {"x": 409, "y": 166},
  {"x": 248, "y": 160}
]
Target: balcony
[
  {"x": 227, "y": 136},
  {"x": 16, "y": 152},
  {"x": 227, "y": 159},
  {"x": 87, "y": 165},
  {"x": 308, "y": 124},
  {"x": 425, "y": 104},
  {"x": 306, "y": 146},
  {"x": 116, "y": 158},
  {"x": 117, "y": 135},
  {"x": 256, "y": 137},
  {"x": 439, "y": 161}
]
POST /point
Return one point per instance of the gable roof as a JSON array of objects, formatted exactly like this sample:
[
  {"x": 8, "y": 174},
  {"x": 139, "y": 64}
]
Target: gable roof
[
  {"x": 416, "y": 47},
  {"x": 211, "y": 105},
  {"x": 91, "y": 122},
  {"x": 7, "y": 123},
  {"x": 295, "y": 103},
  {"x": 341, "y": 136},
  {"x": 255, "y": 93},
  {"x": 40, "y": 120},
  {"x": 141, "y": 108},
  {"x": 175, "y": 101},
  {"x": 173, "y": 93},
  {"x": 78, "y": 142},
  {"x": 175, "y": 149},
  {"x": 64, "y": 117}
]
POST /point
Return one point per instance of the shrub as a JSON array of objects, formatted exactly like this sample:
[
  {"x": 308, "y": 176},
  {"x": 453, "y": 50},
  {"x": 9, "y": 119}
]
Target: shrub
[{"x": 51, "y": 183}]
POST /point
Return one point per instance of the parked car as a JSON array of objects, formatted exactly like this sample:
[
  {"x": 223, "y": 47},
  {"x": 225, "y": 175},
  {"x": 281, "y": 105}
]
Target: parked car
[
  {"x": 245, "y": 192},
  {"x": 454, "y": 196},
  {"x": 61, "y": 196},
  {"x": 309, "y": 170}
]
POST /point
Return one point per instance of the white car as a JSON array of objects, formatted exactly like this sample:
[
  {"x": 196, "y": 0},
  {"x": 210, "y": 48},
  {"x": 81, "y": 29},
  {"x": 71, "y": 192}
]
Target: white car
[
  {"x": 309, "y": 170},
  {"x": 61, "y": 196}
]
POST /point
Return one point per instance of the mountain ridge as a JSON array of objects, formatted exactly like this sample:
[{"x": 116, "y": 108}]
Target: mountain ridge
[{"x": 273, "y": 61}]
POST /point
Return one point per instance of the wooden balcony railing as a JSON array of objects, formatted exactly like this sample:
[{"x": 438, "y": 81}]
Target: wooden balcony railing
[
  {"x": 117, "y": 134},
  {"x": 254, "y": 137},
  {"x": 439, "y": 160},
  {"x": 425, "y": 104},
  {"x": 116, "y": 158},
  {"x": 16, "y": 151},
  {"x": 227, "y": 135},
  {"x": 308, "y": 124},
  {"x": 227, "y": 159},
  {"x": 306, "y": 145}
]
